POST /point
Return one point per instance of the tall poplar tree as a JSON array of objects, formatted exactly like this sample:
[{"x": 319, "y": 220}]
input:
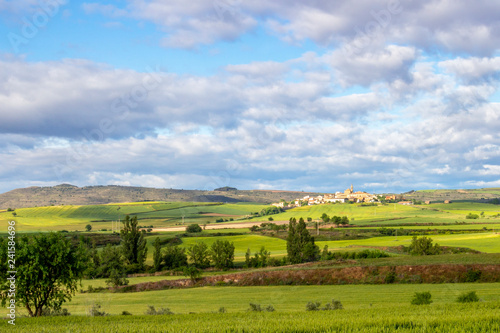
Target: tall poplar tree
[{"x": 133, "y": 244}]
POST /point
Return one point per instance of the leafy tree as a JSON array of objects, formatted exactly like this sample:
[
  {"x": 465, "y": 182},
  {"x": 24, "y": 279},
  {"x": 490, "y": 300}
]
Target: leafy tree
[
  {"x": 192, "y": 272},
  {"x": 300, "y": 245},
  {"x": 48, "y": 269},
  {"x": 117, "y": 278},
  {"x": 292, "y": 242},
  {"x": 157, "y": 257},
  {"x": 325, "y": 218},
  {"x": 337, "y": 220},
  {"x": 222, "y": 254},
  {"x": 193, "y": 228},
  {"x": 88, "y": 227},
  {"x": 199, "y": 255},
  {"x": 344, "y": 220},
  {"x": 248, "y": 260},
  {"x": 133, "y": 243},
  {"x": 174, "y": 257},
  {"x": 111, "y": 259},
  {"x": 423, "y": 246}
]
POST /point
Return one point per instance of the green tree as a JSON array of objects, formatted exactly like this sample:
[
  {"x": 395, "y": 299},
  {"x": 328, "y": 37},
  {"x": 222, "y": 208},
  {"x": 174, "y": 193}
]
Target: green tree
[
  {"x": 344, "y": 220},
  {"x": 222, "y": 254},
  {"x": 423, "y": 246},
  {"x": 193, "y": 273},
  {"x": 300, "y": 245},
  {"x": 111, "y": 259},
  {"x": 325, "y": 218},
  {"x": 199, "y": 255},
  {"x": 49, "y": 269},
  {"x": 157, "y": 257},
  {"x": 193, "y": 228},
  {"x": 133, "y": 244},
  {"x": 292, "y": 242},
  {"x": 88, "y": 227},
  {"x": 174, "y": 257}
]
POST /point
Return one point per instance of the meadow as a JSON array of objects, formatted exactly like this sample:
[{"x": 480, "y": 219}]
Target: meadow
[
  {"x": 367, "y": 308},
  {"x": 159, "y": 214}
]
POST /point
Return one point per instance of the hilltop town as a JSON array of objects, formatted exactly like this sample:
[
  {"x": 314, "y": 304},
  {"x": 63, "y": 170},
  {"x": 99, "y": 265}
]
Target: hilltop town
[{"x": 341, "y": 197}]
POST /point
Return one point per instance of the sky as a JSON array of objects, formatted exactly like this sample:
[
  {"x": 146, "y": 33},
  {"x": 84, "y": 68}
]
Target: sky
[{"x": 388, "y": 95}]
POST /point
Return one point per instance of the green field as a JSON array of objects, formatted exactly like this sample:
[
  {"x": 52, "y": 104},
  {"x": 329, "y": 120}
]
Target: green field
[
  {"x": 456, "y": 318},
  {"x": 485, "y": 242},
  {"x": 241, "y": 243},
  {"x": 159, "y": 214},
  {"x": 283, "y": 298}
]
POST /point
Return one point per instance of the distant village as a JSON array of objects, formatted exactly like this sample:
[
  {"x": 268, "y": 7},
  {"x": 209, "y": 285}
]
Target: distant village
[
  {"x": 342, "y": 197},
  {"x": 348, "y": 196}
]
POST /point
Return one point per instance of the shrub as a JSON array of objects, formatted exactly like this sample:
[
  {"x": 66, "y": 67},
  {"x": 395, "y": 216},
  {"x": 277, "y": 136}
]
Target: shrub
[
  {"x": 471, "y": 216},
  {"x": 192, "y": 272},
  {"x": 126, "y": 313},
  {"x": 222, "y": 310},
  {"x": 258, "y": 308},
  {"x": 313, "y": 306},
  {"x": 468, "y": 297},
  {"x": 193, "y": 228},
  {"x": 390, "y": 277},
  {"x": 334, "y": 305},
  {"x": 473, "y": 275},
  {"x": 162, "y": 311},
  {"x": 117, "y": 279},
  {"x": 47, "y": 312},
  {"x": 421, "y": 298},
  {"x": 95, "y": 311}
]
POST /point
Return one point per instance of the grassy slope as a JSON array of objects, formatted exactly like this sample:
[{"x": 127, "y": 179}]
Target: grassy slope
[{"x": 72, "y": 218}]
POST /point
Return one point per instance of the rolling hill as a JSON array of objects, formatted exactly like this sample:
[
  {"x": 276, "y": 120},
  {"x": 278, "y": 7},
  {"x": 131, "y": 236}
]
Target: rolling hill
[{"x": 66, "y": 194}]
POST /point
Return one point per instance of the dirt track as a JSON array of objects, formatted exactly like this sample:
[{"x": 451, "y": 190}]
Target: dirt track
[{"x": 220, "y": 226}]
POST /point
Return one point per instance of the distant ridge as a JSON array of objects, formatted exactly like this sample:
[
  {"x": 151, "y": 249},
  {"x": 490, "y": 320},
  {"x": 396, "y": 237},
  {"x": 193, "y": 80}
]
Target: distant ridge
[{"x": 67, "y": 194}]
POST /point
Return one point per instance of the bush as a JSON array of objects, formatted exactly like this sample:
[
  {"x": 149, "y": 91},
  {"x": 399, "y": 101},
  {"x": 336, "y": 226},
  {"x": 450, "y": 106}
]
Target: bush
[
  {"x": 126, "y": 313},
  {"x": 390, "y": 277},
  {"x": 468, "y": 297},
  {"x": 95, "y": 311},
  {"x": 117, "y": 279},
  {"x": 421, "y": 298},
  {"x": 472, "y": 275},
  {"x": 313, "y": 306},
  {"x": 193, "y": 228},
  {"x": 334, "y": 305},
  {"x": 423, "y": 246},
  {"x": 162, "y": 311},
  {"x": 258, "y": 308},
  {"x": 47, "y": 312},
  {"x": 222, "y": 310},
  {"x": 471, "y": 216}
]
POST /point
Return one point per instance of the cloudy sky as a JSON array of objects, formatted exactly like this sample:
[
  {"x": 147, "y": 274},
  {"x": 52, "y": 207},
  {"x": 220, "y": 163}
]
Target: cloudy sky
[{"x": 286, "y": 94}]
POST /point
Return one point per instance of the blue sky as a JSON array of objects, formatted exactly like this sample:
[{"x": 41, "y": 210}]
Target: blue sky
[{"x": 388, "y": 95}]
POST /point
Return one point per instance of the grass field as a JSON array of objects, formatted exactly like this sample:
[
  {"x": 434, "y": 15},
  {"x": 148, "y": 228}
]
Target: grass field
[
  {"x": 485, "y": 242},
  {"x": 456, "y": 318},
  {"x": 283, "y": 298},
  {"x": 241, "y": 243},
  {"x": 71, "y": 218}
]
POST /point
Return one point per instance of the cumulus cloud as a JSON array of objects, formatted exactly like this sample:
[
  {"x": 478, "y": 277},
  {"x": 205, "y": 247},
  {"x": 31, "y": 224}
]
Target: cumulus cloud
[
  {"x": 459, "y": 26},
  {"x": 389, "y": 64}
]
